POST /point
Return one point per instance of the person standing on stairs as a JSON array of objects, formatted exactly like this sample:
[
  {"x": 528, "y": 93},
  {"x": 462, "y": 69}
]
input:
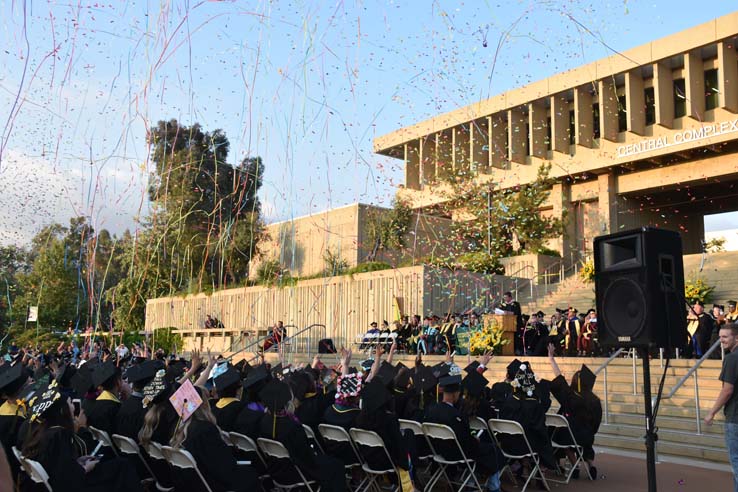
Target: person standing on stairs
[{"x": 727, "y": 397}]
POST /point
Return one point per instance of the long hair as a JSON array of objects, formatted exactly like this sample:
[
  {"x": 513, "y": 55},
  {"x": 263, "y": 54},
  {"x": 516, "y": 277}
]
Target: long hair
[
  {"x": 203, "y": 412},
  {"x": 58, "y": 415},
  {"x": 151, "y": 422}
]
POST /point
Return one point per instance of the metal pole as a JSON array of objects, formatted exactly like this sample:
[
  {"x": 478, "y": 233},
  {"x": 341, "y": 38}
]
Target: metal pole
[
  {"x": 697, "y": 404},
  {"x": 635, "y": 375},
  {"x": 650, "y": 432},
  {"x": 607, "y": 407},
  {"x": 489, "y": 222}
]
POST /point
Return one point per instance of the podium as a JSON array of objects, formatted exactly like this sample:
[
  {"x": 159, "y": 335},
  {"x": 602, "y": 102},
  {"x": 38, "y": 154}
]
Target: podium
[{"x": 509, "y": 327}]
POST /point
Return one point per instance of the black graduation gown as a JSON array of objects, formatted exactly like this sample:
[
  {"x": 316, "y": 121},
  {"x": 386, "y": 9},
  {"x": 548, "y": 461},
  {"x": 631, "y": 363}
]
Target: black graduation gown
[
  {"x": 310, "y": 412},
  {"x": 487, "y": 456},
  {"x": 342, "y": 417},
  {"x": 227, "y": 415},
  {"x": 103, "y": 413},
  {"x": 529, "y": 412},
  {"x": 388, "y": 428},
  {"x": 58, "y": 456},
  {"x": 130, "y": 417},
  {"x": 582, "y": 410},
  {"x": 215, "y": 460},
  {"x": 10, "y": 424},
  {"x": 247, "y": 422},
  {"x": 499, "y": 393},
  {"x": 328, "y": 471}
]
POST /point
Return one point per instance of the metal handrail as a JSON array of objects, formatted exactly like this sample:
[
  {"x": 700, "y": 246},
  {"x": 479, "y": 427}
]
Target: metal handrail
[
  {"x": 692, "y": 371},
  {"x": 603, "y": 367},
  {"x": 255, "y": 343},
  {"x": 292, "y": 341}
]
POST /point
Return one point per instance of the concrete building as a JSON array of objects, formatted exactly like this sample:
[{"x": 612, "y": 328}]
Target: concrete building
[{"x": 646, "y": 137}]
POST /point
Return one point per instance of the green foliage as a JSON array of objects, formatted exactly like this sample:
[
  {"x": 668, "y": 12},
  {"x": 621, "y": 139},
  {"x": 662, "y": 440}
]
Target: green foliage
[
  {"x": 269, "y": 271},
  {"x": 587, "y": 273},
  {"x": 14, "y": 261},
  {"x": 715, "y": 245},
  {"x": 386, "y": 229},
  {"x": 369, "y": 266},
  {"x": 167, "y": 340},
  {"x": 543, "y": 250},
  {"x": 480, "y": 262},
  {"x": 335, "y": 264},
  {"x": 697, "y": 289}
]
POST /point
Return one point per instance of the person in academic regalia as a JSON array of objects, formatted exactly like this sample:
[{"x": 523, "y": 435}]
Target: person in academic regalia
[
  {"x": 502, "y": 390},
  {"x": 12, "y": 411},
  {"x": 201, "y": 436},
  {"x": 130, "y": 417},
  {"x": 528, "y": 405},
  {"x": 310, "y": 408},
  {"x": 573, "y": 330},
  {"x": 345, "y": 409},
  {"x": 104, "y": 412},
  {"x": 581, "y": 407},
  {"x": 699, "y": 331},
  {"x": 558, "y": 330},
  {"x": 248, "y": 419},
  {"x": 731, "y": 316},
  {"x": 53, "y": 443},
  {"x": 281, "y": 425},
  {"x": 229, "y": 404},
  {"x": 475, "y": 402},
  {"x": 489, "y": 459},
  {"x": 160, "y": 421}
]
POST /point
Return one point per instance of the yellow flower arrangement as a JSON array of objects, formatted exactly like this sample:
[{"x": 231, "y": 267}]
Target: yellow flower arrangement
[
  {"x": 587, "y": 273},
  {"x": 698, "y": 290},
  {"x": 486, "y": 338}
]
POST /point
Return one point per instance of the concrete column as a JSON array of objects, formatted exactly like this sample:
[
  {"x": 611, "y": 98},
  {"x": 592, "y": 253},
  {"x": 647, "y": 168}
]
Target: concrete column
[
  {"x": 517, "y": 135},
  {"x": 559, "y": 124},
  {"x": 562, "y": 209},
  {"x": 444, "y": 154},
  {"x": 461, "y": 140},
  {"x": 663, "y": 88},
  {"x": 412, "y": 165},
  {"x": 607, "y": 206},
  {"x": 695, "y": 85},
  {"x": 608, "y": 110},
  {"x": 635, "y": 102},
  {"x": 537, "y": 124},
  {"x": 479, "y": 145},
  {"x": 583, "y": 117},
  {"x": 428, "y": 158},
  {"x": 728, "y": 76},
  {"x": 498, "y": 141}
]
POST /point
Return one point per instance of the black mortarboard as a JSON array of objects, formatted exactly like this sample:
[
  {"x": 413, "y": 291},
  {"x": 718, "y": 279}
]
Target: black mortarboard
[
  {"x": 256, "y": 375},
  {"x": 562, "y": 311},
  {"x": 386, "y": 373},
  {"x": 229, "y": 378},
  {"x": 82, "y": 381},
  {"x": 513, "y": 367},
  {"x": 43, "y": 399},
  {"x": 474, "y": 383},
  {"x": 175, "y": 370},
  {"x": 13, "y": 378},
  {"x": 424, "y": 380},
  {"x": 142, "y": 372},
  {"x": 373, "y": 396},
  {"x": 399, "y": 366},
  {"x": 103, "y": 373},
  {"x": 65, "y": 374},
  {"x": 731, "y": 303},
  {"x": 441, "y": 369},
  {"x": 699, "y": 303},
  {"x": 450, "y": 384},
  {"x": 591, "y": 310},
  {"x": 301, "y": 383},
  {"x": 275, "y": 395},
  {"x": 402, "y": 378},
  {"x": 278, "y": 370},
  {"x": 156, "y": 389},
  {"x": 540, "y": 314},
  {"x": 586, "y": 379},
  {"x": 472, "y": 367}
]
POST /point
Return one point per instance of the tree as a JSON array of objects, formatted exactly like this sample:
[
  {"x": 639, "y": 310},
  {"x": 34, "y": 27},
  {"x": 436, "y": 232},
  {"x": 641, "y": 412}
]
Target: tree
[
  {"x": 386, "y": 229},
  {"x": 14, "y": 261}
]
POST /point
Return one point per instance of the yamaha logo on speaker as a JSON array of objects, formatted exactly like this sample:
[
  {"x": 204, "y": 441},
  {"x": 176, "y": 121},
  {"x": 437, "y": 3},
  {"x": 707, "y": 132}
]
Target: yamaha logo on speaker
[{"x": 624, "y": 339}]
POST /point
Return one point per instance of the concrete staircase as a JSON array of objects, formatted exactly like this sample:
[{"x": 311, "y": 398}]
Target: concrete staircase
[
  {"x": 622, "y": 428},
  {"x": 571, "y": 292}
]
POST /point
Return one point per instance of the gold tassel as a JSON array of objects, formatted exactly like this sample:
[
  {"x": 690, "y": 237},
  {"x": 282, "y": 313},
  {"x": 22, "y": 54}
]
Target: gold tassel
[{"x": 274, "y": 426}]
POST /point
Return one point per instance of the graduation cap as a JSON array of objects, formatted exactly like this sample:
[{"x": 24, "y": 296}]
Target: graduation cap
[
  {"x": 386, "y": 373},
  {"x": 732, "y": 303},
  {"x": 525, "y": 380},
  {"x": 81, "y": 382},
  {"x": 540, "y": 314},
  {"x": 275, "y": 395},
  {"x": 591, "y": 310},
  {"x": 402, "y": 378},
  {"x": 103, "y": 373},
  {"x": 586, "y": 379},
  {"x": 349, "y": 385},
  {"x": 156, "y": 389},
  {"x": 474, "y": 383},
  {"x": 12, "y": 379},
  {"x": 227, "y": 379},
  {"x": 373, "y": 396},
  {"x": 512, "y": 368},
  {"x": 256, "y": 375},
  {"x": 141, "y": 372},
  {"x": 450, "y": 384},
  {"x": 175, "y": 370},
  {"x": 301, "y": 383},
  {"x": 43, "y": 399},
  {"x": 562, "y": 311},
  {"x": 278, "y": 370},
  {"x": 441, "y": 370},
  {"x": 399, "y": 366},
  {"x": 65, "y": 374},
  {"x": 472, "y": 367},
  {"x": 699, "y": 303},
  {"x": 366, "y": 365},
  {"x": 219, "y": 368},
  {"x": 424, "y": 379}
]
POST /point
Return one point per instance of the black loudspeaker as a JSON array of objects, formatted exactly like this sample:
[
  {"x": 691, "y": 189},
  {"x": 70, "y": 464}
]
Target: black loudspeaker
[{"x": 639, "y": 284}]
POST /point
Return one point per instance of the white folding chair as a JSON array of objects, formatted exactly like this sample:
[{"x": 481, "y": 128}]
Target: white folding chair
[
  {"x": 559, "y": 424},
  {"x": 246, "y": 445},
  {"x": 368, "y": 439},
  {"x": 103, "y": 440},
  {"x": 438, "y": 432},
  {"x": 424, "y": 452},
  {"x": 128, "y": 446},
  {"x": 479, "y": 426},
  {"x": 311, "y": 436},
  {"x": 512, "y": 428},
  {"x": 335, "y": 435},
  {"x": 275, "y": 450},
  {"x": 33, "y": 469},
  {"x": 181, "y": 458}
]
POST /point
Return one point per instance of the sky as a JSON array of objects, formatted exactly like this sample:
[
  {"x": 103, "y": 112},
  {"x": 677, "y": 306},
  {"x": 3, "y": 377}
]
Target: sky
[{"x": 305, "y": 85}]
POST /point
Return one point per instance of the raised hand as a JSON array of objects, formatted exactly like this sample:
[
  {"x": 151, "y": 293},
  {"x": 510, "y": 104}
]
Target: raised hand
[{"x": 486, "y": 357}]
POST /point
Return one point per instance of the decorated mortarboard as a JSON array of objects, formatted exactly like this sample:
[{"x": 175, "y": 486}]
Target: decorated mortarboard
[
  {"x": 386, "y": 373},
  {"x": 586, "y": 379},
  {"x": 229, "y": 378},
  {"x": 13, "y": 378},
  {"x": 424, "y": 379},
  {"x": 103, "y": 373},
  {"x": 156, "y": 389},
  {"x": 256, "y": 375},
  {"x": 373, "y": 396},
  {"x": 474, "y": 383},
  {"x": 275, "y": 395},
  {"x": 278, "y": 370},
  {"x": 42, "y": 400},
  {"x": 472, "y": 367},
  {"x": 441, "y": 370},
  {"x": 525, "y": 379},
  {"x": 349, "y": 385},
  {"x": 185, "y": 400},
  {"x": 366, "y": 364},
  {"x": 218, "y": 369}
]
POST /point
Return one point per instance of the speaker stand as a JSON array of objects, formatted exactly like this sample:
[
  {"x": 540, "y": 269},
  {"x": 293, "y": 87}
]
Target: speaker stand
[{"x": 651, "y": 436}]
